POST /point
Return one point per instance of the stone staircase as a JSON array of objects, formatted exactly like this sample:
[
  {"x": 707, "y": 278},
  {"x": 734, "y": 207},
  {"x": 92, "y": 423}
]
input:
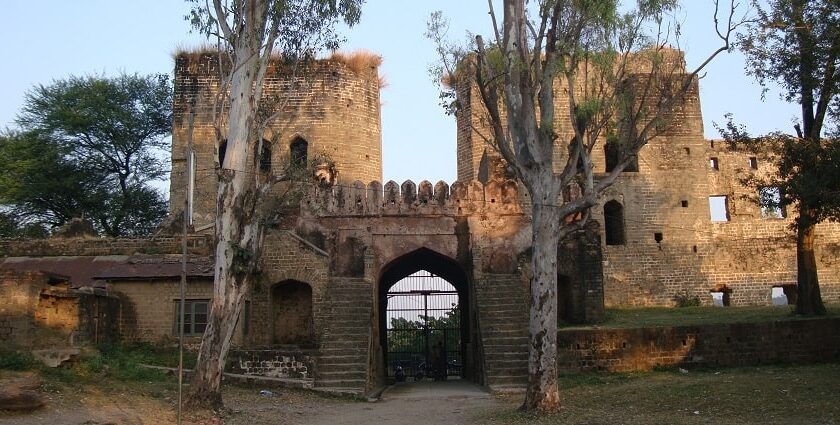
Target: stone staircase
[
  {"x": 503, "y": 320},
  {"x": 342, "y": 364}
]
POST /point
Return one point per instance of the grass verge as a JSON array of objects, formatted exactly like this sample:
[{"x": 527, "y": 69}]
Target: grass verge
[{"x": 756, "y": 395}]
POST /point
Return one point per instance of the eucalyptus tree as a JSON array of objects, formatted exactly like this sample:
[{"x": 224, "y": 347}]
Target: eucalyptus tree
[
  {"x": 610, "y": 64},
  {"x": 249, "y": 34},
  {"x": 796, "y": 44}
]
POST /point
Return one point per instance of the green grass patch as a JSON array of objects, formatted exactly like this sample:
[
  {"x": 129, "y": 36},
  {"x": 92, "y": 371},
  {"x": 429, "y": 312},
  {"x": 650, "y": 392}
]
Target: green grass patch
[
  {"x": 688, "y": 316},
  {"x": 744, "y": 395}
]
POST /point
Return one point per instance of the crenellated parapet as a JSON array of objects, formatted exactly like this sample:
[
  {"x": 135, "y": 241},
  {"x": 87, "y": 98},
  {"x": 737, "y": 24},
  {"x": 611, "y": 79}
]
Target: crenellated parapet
[{"x": 458, "y": 199}]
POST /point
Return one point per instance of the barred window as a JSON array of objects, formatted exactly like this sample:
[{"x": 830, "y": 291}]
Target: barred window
[{"x": 195, "y": 316}]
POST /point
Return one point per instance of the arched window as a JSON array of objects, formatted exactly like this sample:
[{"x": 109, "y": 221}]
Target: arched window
[
  {"x": 265, "y": 157},
  {"x": 484, "y": 168},
  {"x": 222, "y": 152},
  {"x": 613, "y": 154},
  {"x": 291, "y": 304},
  {"x": 298, "y": 152},
  {"x": 614, "y": 223}
]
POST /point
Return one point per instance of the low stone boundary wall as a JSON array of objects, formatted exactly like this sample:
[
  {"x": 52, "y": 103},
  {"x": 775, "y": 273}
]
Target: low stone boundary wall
[
  {"x": 738, "y": 344},
  {"x": 291, "y": 364}
]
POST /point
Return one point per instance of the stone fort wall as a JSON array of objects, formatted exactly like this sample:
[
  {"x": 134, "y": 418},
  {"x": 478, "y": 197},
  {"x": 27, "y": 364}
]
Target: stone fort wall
[
  {"x": 671, "y": 245},
  {"x": 334, "y": 108}
]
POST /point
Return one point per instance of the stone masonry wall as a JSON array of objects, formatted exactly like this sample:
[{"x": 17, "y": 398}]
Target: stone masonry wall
[
  {"x": 196, "y": 244},
  {"x": 19, "y": 292},
  {"x": 334, "y": 108},
  {"x": 285, "y": 258},
  {"x": 741, "y": 344},
  {"x": 671, "y": 244},
  {"x": 148, "y": 306}
]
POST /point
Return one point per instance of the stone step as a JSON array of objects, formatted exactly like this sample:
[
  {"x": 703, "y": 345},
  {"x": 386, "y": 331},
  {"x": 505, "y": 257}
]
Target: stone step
[
  {"x": 504, "y": 331},
  {"x": 500, "y": 298},
  {"x": 344, "y": 375},
  {"x": 506, "y": 341},
  {"x": 341, "y": 359},
  {"x": 349, "y": 349},
  {"x": 356, "y": 384},
  {"x": 340, "y": 367},
  {"x": 341, "y": 312},
  {"x": 506, "y": 380},
  {"x": 503, "y": 316},
  {"x": 491, "y": 356},
  {"x": 355, "y": 334},
  {"x": 507, "y": 368}
]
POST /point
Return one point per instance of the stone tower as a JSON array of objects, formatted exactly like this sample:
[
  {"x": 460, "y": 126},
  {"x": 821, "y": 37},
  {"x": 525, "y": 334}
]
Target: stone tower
[{"x": 331, "y": 107}]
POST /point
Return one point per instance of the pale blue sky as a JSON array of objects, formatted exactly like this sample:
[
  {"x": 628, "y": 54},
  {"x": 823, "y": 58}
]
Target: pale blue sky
[{"x": 46, "y": 40}]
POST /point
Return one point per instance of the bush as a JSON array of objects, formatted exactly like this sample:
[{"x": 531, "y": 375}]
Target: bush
[
  {"x": 16, "y": 360},
  {"x": 687, "y": 300}
]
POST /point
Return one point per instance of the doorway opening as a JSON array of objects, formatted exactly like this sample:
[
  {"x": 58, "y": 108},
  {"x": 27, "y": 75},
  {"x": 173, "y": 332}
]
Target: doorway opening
[
  {"x": 423, "y": 318},
  {"x": 424, "y": 328}
]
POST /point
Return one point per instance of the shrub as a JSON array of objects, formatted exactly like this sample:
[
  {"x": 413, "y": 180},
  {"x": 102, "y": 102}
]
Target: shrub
[
  {"x": 687, "y": 300},
  {"x": 15, "y": 360}
]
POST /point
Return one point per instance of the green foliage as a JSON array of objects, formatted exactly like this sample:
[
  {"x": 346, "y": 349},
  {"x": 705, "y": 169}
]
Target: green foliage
[
  {"x": 11, "y": 227},
  {"x": 794, "y": 43},
  {"x": 89, "y": 147},
  {"x": 407, "y": 341},
  {"x": 687, "y": 300},
  {"x": 297, "y": 27},
  {"x": 15, "y": 360}
]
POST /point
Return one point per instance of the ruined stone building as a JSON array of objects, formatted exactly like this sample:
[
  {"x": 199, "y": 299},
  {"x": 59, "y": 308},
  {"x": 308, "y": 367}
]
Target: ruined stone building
[{"x": 339, "y": 273}]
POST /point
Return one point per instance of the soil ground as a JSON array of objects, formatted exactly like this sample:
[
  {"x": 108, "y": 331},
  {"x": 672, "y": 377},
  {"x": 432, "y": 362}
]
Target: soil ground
[{"x": 757, "y": 395}]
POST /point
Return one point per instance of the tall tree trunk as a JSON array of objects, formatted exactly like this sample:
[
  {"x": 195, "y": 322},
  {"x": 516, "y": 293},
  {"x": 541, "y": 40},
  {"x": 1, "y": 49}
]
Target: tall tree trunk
[
  {"x": 543, "y": 392},
  {"x": 809, "y": 300},
  {"x": 238, "y": 232}
]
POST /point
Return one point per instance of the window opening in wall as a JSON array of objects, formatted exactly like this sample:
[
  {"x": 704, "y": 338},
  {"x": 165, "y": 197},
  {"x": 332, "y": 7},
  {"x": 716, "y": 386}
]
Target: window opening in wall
[
  {"x": 720, "y": 296},
  {"x": 613, "y": 153},
  {"x": 719, "y": 208},
  {"x": 265, "y": 157},
  {"x": 777, "y": 295},
  {"x": 614, "y": 223},
  {"x": 770, "y": 202},
  {"x": 190, "y": 186},
  {"x": 484, "y": 168},
  {"x": 684, "y": 203},
  {"x": 657, "y": 237},
  {"x": 195, "y": 316},
  {"x": 291, "y": 304},
  {"x": 714, "y": 164},
  {"x": 246, "y": 317},
  {"x": 753, "y": 161},
  {"x": 687, "y": 151},
  {"x": 423, "y": 326},
  {"x": 222, "y": 152},
  {"x": 298, "y": 152}
]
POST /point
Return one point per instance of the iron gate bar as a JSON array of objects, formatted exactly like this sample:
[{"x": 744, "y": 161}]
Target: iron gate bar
[{"x": 409, "y": 346}]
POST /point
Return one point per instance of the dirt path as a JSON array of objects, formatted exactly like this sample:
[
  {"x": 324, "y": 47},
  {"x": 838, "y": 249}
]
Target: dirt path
[{"x": 449, "y": 402}]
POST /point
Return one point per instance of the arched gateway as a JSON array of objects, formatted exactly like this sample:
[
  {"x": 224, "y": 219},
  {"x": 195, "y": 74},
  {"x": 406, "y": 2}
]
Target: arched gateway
[
  {"x": 424, "y": 315},
  {"x": 401, "y": 275}
]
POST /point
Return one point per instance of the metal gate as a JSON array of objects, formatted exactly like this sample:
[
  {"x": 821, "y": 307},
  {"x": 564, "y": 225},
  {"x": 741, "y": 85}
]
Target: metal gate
[{"x": 423, "y": 319}]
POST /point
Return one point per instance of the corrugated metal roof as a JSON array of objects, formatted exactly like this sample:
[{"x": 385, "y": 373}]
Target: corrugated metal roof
[
  {"x": 158, "y": 266},
  {"x": 93, "y": 271},
  {"x": 81, "y": 271}
]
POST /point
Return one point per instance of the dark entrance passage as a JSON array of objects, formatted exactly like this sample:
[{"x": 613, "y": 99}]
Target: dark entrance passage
[
  {"x": 424, "y": 315},
  {"x": 424, "y": 327}
]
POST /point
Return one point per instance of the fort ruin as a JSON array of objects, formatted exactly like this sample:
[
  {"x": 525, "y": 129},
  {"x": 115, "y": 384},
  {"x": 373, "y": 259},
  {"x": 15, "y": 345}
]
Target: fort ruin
[{"x": 320, "y": 308}]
